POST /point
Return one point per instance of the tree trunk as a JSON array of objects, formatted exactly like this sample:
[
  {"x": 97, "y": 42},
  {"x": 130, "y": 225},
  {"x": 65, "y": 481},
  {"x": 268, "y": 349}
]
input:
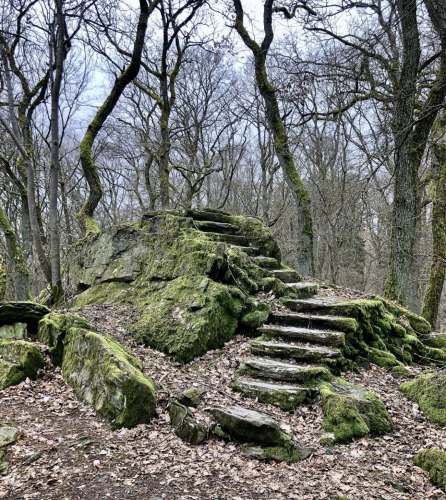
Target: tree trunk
[
  {"x": 17, "y": 261},
  {"x": 437, "y": 273},
  {"x": 164, "y": 158}
]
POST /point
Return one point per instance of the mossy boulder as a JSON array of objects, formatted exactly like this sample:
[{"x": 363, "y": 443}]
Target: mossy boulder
[
  {"x": 263, "y": 436},
  {"x": 8, "y": 436},
  {"x": 351, "y": 411},
  {"x": 433, "y": 461},
  {"x": 106, "y": 376},
  {"x": 52, "y": 331},
  {"x": 428, "y": 390},
  {"x": 18, "y": 360}
]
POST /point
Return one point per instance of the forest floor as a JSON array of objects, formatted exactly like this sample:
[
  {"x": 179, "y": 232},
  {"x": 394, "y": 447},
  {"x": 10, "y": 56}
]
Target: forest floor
[{"x": 65, "y": 451}]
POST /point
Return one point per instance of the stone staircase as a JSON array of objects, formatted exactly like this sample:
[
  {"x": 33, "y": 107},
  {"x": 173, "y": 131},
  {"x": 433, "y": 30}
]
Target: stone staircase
[{"x": 299, "y": 346}]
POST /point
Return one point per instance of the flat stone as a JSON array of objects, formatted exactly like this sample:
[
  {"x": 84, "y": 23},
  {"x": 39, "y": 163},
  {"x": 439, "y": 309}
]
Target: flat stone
[
  {"x": 14, "y": 331},
  {"x": 325, "y": 337},
  {"x": 233, "y": 239},
  {"x": 274, "y": 369},
  {"x": 216, "y": 227},
  {"x": 285, "y": 396},
  {"x": 249, "y": 426},
  {"x": 338, "y": 323},
  {"x": 266, "y": 262},
  {"x": 303, "y": 289},
  {"x": 192, "y": 396},
  {"x": 209, "y": 215},
  {"x": 252, "y": 251},
  {"x": 285, "y": 275},
  {"x": 294, "y": 350}
]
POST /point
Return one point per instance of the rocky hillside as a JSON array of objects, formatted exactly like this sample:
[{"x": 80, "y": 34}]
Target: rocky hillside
[{"x": 150, "y": 299}]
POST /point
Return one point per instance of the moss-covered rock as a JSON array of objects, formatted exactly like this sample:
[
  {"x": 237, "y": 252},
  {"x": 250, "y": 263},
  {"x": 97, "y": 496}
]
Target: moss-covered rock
[
  {"x": 351, "y": 411},
  {"x": 185, "y": 425},
  {"x": 8, "y": 436},
  {"x": 191, "y": 291},
  {"x": 263, "y": 434},
  {"x": 23, "y": 312},
  {"x": 16, "y": 331},
  {"x": 429, "y": 391},
  {"x": 52, "y": 331},
  {"x": 433, "y": 461},
  {"x": 18, "y": 360},
  {"x": 105, "y": 375},
  {"x": 2, "y": 279}
]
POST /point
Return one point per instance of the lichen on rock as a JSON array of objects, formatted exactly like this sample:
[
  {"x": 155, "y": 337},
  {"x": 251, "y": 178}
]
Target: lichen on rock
[
  {"x": 429, "y": 391},
  {"x": 105, "y": 375},
  {"x": 351, "y": 411}
]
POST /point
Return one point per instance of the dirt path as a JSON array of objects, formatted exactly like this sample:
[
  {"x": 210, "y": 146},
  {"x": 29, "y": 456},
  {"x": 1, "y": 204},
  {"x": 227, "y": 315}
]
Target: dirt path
[{"x": 67, "y": 452}]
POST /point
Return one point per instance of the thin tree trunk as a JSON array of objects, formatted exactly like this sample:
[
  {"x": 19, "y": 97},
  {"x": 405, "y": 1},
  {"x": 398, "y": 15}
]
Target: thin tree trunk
[
  {"x": 86, "y": 213},
  {"x": 437, "y": 273},
  {"x": 17, "y": 261},
  {"x": 60, "y": 52}
]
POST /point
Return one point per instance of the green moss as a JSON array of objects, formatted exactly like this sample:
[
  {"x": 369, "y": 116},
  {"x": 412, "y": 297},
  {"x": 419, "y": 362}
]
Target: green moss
[
  {"x": 429, "y": 391},
  {"x": 385, "y": 359},
  {"x": 401, "y": 371},
  {"x": 18, "y": 360},
  {"x": 256, "y": 314},
  {"x": 290, "y": 454},
  {"x": 433, "y": 461},
  {"x": 351, "y": 411},
  {"x": 52, "y": 331},
  {"x": 105, "y": 375}
]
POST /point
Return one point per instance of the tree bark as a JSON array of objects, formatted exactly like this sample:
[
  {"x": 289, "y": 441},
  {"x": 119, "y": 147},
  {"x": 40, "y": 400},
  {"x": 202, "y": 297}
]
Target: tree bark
[
  {"x": 437, "y": 273},
  {"x": 86, "y": 214},
  {"x": 305, "y": 259}
]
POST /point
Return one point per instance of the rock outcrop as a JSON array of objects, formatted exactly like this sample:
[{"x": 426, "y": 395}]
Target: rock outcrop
[
  {"x": 19, "y": 359},
  {"x": 428, "y": 390},
  {"x": 8, "y": 436}
]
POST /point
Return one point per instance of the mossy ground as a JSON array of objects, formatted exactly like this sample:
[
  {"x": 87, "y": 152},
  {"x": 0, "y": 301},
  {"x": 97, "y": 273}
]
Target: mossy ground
[{"x": 433, "y": 461}]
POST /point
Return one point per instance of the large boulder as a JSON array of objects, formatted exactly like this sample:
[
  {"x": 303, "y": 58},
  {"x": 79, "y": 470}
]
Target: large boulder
[
  {"x": 262, "y": 434},
  {"x": 18, "y": 360},
  {"x": 429, "y": 391},
  {"x": 106, "y": 376},
  {"x": 433, "y": 461},
  {"x": 351, "y": 411}
]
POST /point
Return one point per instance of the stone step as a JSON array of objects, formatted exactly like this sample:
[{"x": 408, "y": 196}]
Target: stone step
[
  {"x": 315, "y": 304},
  {"x": 285, "y": 275},
  {"x": 285, "y": 396},
  {"x": 294, "y": 350},
  {"x": 274, "y": 369},
  {"x": 303, "y": 289},
  {"x": 233, "y": 239},
  {"x": 325, "y": 337},
  {"x": 252, "y": 251},
  {"x": 209, "y": 215},
  {"x": 267, "y": 262},
  {"x": 337, "y": 323},
  {"x": 216, "y": 227}
]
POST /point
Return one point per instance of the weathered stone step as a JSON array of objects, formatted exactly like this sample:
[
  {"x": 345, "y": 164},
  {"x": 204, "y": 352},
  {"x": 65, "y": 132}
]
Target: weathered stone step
[
  {"x": 253, "y": 251},
  {"x": 266, "y": 262},
  {"x": 314, "y": 304},
  {"x": 286, "y": 396},
  {"x": 274, "y": 369},
  {"x": 325, "y": 337},
  {"x": 303, "y": 289},
  {"x": 209, "y": 215},
  {"x": 285, "y": 275},
  {"x": 338, "y": 323},
  {"x": 216, "y": 227},
  {"x": 233, "y": 239},
  {"x": 294, "y": 350}
]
